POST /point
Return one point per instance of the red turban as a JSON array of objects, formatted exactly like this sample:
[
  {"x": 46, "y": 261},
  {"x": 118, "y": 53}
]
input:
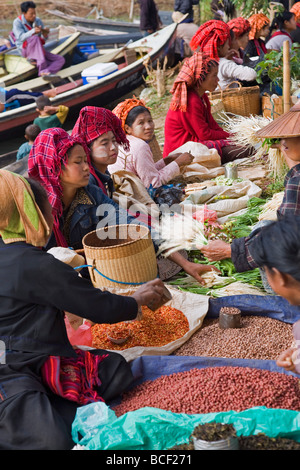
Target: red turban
[{"x": 210, "y": 36}]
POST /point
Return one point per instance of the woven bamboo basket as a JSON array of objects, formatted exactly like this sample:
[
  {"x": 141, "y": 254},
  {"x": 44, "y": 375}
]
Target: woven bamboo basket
[
  {"x": 125, "y": 258},
  {"x": 243, "y": 101},
  {"x": 272, "y": 107}
]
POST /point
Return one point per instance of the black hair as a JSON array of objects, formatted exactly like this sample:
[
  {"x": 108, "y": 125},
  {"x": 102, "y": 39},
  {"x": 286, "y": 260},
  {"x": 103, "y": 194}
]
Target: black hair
[
  {"x": 134, "y": 113},
  {"x": 278, "y": 246},
  {"x": 32, "y": 131},
  {"x": 39, "y": 192},
  {"x": 26, "y": 5},
  {"x": 278, "y": 22},
  {"x": 42, "y": 101}
]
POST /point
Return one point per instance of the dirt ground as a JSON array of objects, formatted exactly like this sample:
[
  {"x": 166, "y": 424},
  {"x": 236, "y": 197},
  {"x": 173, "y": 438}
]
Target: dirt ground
[{"x": 112, "y": 9}]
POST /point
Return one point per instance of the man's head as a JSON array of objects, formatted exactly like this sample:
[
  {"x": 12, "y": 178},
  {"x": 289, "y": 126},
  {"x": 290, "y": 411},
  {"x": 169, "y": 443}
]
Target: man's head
[
  {"x": 42, "y": 101},
  {"x": 28, "y": 10}
]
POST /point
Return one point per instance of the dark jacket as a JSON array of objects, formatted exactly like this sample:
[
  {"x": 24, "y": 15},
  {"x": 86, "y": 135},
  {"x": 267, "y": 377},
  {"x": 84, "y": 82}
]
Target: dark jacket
[
  {"x": 35, "y": 290},
  {"x": 105, "y": 178},
  {"x": 186, "y": 6},
  {"x": 149, "y": 19}
]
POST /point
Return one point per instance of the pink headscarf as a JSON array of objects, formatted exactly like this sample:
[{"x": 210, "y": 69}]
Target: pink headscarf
[{"x": 47, "y": 155}]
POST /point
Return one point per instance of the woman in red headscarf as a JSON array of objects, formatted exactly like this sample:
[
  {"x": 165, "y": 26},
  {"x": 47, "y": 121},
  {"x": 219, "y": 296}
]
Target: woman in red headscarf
[
  {"x": 60, "y": 162},
  {"x": 240, "y": 27},
  {"x": 102, "y": 133},
  {"x": 189, "y": 117},
  {"x": 212, "y": 37}
]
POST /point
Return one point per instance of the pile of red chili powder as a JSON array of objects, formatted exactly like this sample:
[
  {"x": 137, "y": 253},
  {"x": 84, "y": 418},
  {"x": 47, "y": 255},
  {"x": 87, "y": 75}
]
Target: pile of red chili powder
[
  {"x": 214, "y": 389},
  {"x": 154, "y": 329}
]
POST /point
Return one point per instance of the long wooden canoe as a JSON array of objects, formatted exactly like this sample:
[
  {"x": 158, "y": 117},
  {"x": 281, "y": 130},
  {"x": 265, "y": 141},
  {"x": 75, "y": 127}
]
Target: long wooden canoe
[
  {"x": 104, "y": 23},
  {"x": 18, "y": 68},
  {"x": 73, "y": 93}
]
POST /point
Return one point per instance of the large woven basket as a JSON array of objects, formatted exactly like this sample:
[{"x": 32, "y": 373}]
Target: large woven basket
[
  {"x": 243, "y": 101},
  {"x": 272, "y": 107},
  {"x": 126, "y": 258}
]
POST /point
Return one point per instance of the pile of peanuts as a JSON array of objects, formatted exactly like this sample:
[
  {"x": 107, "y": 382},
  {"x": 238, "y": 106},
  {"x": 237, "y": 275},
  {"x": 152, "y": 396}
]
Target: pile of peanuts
[
  {"x": 214, "y": 389},
  {"x": 258, "y": 338}
]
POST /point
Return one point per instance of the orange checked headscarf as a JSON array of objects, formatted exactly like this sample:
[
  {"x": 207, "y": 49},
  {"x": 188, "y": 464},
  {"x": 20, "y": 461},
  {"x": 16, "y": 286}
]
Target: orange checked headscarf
[
  {"x": 239, "y": 26},
  {"x": 123, "y": 109},
  {"x": 210, "y": 36},
  {"x": 257, "y": 22},
  {"x": 296, "y": 10},
  {"x": 193, "y": 71}
]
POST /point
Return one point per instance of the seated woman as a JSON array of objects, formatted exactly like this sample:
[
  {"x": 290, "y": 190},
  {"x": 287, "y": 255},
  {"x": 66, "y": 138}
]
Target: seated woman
[
  {"x": 260, "y": 28},
  {"x": 102, "y": 132},
  {"x": 189, "y": 117},
  {"x": 283, "y": 24},
  {"x": 36, "y": 289},
  {"x": 59, "y": 162},
  {"x": 138, "y": 124},
  {"x": 214, "y": 39},
  {"x": 240, "y": 27}
]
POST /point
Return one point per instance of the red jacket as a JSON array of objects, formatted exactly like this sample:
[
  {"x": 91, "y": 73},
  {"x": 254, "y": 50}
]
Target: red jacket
[{"x": 196, "y": 124}]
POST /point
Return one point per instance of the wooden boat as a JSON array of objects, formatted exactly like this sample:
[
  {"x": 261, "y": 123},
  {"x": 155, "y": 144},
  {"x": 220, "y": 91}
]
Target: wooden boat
[
  {"x": 103, "y": 23},
  {"x": 17, "y": 68},
  {"x": 73, "y": 93}
]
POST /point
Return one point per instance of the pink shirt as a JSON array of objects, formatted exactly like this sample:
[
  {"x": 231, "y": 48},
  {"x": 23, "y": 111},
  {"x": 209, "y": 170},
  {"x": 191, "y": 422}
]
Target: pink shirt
[{"x": 140, "y": 162}]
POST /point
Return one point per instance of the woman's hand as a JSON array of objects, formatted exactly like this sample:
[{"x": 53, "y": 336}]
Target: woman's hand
[
  {"x": 196, "y": 269},
  {"x": 216, "y": 250},
  {"x": 149, "y": 293},
  {"x": 285, "y": 360},
  {"x": 184, "y": 159}
]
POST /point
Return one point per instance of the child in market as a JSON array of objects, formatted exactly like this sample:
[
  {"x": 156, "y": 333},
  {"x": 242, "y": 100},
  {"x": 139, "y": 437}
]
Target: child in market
[
  {"x": 283, "y": 24},
  {"x": 138, "y": 124},
  {"x": 31, "y": 133},
  {"x": 49, "y": 115}
]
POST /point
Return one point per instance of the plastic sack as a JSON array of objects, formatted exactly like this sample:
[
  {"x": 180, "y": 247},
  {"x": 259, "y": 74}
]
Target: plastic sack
[
  {"x": 82, "y": 336},
  {"x": 89, "y": 419},
  {"x": 156, "y": 429}
]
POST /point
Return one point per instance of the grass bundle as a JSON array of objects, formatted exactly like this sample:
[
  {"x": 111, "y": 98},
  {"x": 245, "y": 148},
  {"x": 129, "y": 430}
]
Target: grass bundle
[{"x": 180, "y": 232}]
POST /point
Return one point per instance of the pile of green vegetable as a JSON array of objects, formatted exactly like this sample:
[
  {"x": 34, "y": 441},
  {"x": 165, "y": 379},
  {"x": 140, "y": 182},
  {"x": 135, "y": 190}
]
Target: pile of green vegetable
[{"x": 240, "y": 226}]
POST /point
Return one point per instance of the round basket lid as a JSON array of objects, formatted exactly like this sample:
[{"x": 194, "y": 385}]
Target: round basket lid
[{"x": 286, "y": 125}]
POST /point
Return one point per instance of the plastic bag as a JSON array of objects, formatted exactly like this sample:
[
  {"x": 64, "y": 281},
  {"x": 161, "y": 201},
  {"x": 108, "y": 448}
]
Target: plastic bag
[
  {"x": 80, "y": 337},
  {"x": 156, "y": 429},
  {"x": 89, "y": 419}
]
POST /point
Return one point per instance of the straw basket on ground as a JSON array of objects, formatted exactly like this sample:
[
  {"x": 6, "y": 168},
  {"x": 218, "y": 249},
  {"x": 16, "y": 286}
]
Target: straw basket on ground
[
  {"x": 123, "y": 254},
  {"x": 272, "y": 107},
  {"x": 243, "y": 101}
]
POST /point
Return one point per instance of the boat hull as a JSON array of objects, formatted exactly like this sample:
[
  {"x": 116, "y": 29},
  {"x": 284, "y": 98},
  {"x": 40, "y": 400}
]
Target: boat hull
[{"x": 101, "y": 93}]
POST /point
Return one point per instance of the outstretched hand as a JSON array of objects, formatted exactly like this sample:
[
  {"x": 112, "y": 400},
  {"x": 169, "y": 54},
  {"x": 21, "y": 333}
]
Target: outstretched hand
[{"x": 196, "y": 270}]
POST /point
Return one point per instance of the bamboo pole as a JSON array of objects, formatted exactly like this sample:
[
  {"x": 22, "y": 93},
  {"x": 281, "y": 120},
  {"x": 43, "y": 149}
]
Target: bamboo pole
[{"x": 286, "y": 77}]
